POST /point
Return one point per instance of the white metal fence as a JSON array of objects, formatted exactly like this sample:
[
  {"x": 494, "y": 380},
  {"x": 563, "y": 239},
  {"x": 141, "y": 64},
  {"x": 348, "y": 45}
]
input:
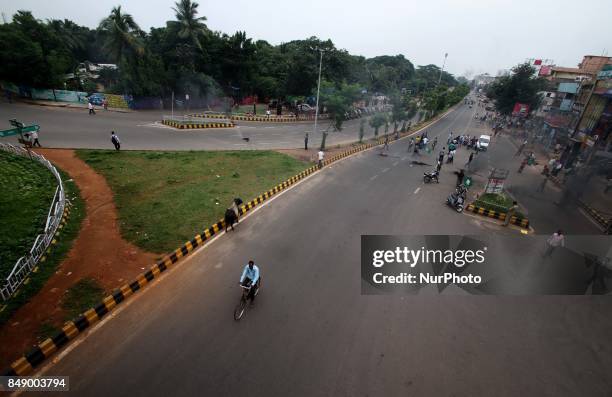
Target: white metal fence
[{"x": 26, "y": 263}]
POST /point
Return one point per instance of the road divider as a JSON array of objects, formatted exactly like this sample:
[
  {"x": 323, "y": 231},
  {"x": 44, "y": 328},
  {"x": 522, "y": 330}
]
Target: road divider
[
  {"x": 518, "y": 221},
  {"x": 72, "y": 329},
  {"x": 188, "y": 126}
]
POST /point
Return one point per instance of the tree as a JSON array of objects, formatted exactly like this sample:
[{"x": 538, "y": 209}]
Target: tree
[
  {"x": 520, "y": 86},
  {"x": 191, "y": 26},
  {"x": 361, "y": 130},
  {"x": 377, "y": 121},
  {"x": 122, "y": 35}
]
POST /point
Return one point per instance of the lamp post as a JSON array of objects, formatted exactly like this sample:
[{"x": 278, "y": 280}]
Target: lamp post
[
  {"x": 318, "y": 90},
  {"x": 441, "y": 70}
]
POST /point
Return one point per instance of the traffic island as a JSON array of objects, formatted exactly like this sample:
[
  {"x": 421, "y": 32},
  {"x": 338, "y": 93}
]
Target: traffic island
[
  {"x": 489, "y": 213},
  {"x": 189, "y": 125}
]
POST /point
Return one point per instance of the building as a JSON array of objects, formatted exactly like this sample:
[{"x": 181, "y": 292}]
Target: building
[{"x": 593, "y": 64}]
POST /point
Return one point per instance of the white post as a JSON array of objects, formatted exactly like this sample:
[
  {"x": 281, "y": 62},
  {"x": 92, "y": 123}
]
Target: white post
[
  {"x": 441, "y": 70},
  {"x": 318, "y": 89}
]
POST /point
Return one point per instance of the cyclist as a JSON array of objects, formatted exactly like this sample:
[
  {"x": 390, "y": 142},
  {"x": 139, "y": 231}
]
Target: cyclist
[{"x": 250, "y": 277}]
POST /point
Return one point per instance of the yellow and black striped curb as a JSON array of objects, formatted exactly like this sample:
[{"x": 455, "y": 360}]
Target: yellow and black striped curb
[
  {"x": 26, "y": 364},
  {"x": 515, "y": 220},
  {"x": 266, "y": 119},
  {"x": 597, "y": 216},
  {"x": 188, "y": 126}
]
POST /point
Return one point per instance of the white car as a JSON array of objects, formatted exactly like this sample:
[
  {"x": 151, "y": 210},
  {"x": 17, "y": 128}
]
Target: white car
[{"x": 483, "y": 142}]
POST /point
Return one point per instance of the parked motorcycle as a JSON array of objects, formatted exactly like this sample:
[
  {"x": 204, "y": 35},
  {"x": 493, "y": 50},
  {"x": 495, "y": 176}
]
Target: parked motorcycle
[
  {"x": 457, "y": 199},
  {"x": 431, "y": 176}
]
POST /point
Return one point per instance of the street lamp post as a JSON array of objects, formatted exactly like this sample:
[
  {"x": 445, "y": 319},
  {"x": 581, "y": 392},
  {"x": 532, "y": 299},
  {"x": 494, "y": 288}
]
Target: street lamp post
[
  {"x": 441, "y": 70},
  {"x": 318, "y": 90}
]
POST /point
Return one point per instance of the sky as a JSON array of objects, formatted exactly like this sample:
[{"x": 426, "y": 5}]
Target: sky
[{"x": 478, "y": 35}]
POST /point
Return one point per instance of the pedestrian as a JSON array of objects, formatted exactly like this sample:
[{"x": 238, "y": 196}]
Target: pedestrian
[
  {"x": 105, "y": 104},
  {"x": 386, "y": 146},
  {"x": 321, "y": 155},
  {"x": 543, "y": 184},
  {"x": 410, "y": 144},
  {"x": 510, "y": 213},
  {"x": 115, "y": 140},
  {"x": 306, "y": 141},
  {"x": 520, "y": 149},
  {"x": 254, "y": 109},
  {"x": 268, "y": 113},
  {"x": 470, "y": 159},
  {"x": 439, "y": 166},
  {"x": 91, "y": 108},
  {"x": 434, "y": 143},
  {"x": 556, "y": 240},
  {"x": 441, "y": 155},
  {"x": 34, "y": 136},
  {"x": 460, "y": 176}
]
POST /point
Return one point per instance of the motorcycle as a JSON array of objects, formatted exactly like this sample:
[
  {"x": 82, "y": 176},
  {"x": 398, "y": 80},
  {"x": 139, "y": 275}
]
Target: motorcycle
[
  {"x": 457, "y": 199},
  {"x": 431, "y": 176}
]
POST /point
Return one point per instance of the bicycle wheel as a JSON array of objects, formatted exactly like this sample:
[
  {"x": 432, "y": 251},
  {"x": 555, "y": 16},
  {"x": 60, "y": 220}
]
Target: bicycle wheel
[{"x": 240, "y": 309}]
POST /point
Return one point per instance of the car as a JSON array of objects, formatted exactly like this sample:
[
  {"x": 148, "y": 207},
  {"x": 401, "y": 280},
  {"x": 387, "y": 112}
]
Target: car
[{"x": 483, "y": 142}]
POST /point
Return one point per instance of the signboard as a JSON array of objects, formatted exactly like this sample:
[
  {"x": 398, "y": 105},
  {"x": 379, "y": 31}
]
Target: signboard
[
  {"x": 495, "y": 186},
  {"x": 520, "y": 109},
  {"x": 16, "y": 131},
  {"x": 5, "y": 133},
  {"x": 545, "y": 70}
]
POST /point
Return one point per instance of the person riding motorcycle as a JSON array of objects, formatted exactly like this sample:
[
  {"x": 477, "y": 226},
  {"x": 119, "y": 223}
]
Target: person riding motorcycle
[{"x": 250, "y": 278}]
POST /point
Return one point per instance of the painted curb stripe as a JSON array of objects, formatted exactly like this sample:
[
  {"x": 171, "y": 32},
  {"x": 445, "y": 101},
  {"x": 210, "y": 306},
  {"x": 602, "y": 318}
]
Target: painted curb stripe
[{"x": 522, "y": 222}]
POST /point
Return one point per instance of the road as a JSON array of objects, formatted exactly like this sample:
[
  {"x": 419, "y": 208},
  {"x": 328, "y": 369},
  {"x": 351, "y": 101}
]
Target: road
[
  {"x": 74, "y": 128},
  {"x": 312, "y": 333}
]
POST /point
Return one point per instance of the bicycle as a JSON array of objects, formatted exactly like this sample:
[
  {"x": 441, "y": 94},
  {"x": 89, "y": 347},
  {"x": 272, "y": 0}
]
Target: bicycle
[{"x": 242, "y": 305}]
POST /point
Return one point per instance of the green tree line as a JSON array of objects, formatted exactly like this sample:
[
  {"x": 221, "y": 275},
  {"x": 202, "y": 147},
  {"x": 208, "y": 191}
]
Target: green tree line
[{"x": 186, "y": 57}]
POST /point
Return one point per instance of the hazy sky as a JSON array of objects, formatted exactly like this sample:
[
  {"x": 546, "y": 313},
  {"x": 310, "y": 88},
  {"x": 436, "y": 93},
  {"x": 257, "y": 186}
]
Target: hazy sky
[{"x": 479, "y": 35}]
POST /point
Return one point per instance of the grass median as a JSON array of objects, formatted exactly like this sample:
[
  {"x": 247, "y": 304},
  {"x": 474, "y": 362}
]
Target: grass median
[
  {"x": 165, "y": 198},
  {"x": 27, "y": 193}
]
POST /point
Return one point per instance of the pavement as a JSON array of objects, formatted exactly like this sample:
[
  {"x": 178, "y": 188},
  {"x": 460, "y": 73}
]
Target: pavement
[
  {"x": 74, "y": 128},
  {"x": 312, "y": 333}
]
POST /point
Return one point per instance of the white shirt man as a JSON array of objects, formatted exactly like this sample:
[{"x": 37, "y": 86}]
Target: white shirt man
[{"x": 321, "y": 155}]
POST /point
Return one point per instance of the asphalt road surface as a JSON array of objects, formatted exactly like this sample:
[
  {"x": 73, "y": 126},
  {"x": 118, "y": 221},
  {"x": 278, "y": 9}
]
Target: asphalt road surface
[
  {"x": 75, "y": 128},
  {"x": 312, "y": 333}
]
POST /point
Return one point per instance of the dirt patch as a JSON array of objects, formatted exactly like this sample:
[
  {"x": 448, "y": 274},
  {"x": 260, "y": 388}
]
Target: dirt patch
[{"x": 98, "y": 252}]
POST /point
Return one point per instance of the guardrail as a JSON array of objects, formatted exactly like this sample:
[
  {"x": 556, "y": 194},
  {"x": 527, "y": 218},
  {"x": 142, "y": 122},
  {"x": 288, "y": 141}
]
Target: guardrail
[{"x": 25, "y": 264}]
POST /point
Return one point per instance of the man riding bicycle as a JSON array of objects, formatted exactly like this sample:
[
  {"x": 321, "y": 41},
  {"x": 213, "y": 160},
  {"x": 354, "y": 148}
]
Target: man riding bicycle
[{"x": 250, "y": 277}]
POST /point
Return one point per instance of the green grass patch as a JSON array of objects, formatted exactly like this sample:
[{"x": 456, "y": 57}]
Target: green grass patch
[
  {"x": 165, "y": 198},
  {"x": 46, "y": 330},
  {"x": 497, "y": 202},
  {"x": 58, "y": 251},
  {"x": 27, "y": 192},
  {"x": 82, "y": 296}
]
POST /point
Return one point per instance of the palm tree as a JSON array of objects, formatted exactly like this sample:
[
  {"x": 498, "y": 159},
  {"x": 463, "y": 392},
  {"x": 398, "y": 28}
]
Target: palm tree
[
  {"x": 191, "y": 26},
  {"x": 122, "y": 33}
]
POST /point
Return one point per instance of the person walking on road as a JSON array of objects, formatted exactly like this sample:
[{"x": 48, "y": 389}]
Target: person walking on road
[
  {"x": 556, "y": 240},
  {"x": 321, "y": 155},
  {"x": 460, "y": 176},
  {"x": 91, "y": 108},
  {"x": 434, "y": 143},
  {"x": 510, "y": 213},
  {"x": 520, "y": 149},
  {"x": 469, "y": 162},
  {"x": 441, "y": 156},
  {"x": 115, "y": 140},
  {"x": 386, "y": 146},
  {"x": 34, "y": 136},
  {"x": 306, "y": 141}
]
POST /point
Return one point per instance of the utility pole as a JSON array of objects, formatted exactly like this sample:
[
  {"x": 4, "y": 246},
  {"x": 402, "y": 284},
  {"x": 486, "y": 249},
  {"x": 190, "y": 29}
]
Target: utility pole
[
  {"x": 318, "y": 90},
  {"x": 441, "y": 70}
]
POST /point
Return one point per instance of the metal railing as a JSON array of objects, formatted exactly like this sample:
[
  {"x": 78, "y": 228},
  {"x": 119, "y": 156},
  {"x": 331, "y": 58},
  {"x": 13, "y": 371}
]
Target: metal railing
[{"x": 25, "y": 264}]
